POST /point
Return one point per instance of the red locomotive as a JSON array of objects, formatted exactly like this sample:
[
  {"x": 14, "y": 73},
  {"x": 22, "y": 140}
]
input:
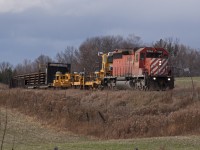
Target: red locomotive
[{"x": 142, "y": 68}]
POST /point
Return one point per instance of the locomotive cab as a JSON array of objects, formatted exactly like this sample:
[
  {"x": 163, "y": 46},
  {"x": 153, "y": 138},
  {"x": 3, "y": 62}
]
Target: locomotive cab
[{"x": 156, "y": 69}]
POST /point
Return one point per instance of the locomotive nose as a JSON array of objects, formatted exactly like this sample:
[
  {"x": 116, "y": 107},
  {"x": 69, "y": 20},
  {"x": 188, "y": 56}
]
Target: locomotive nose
[{"x": 158, "y": 66}]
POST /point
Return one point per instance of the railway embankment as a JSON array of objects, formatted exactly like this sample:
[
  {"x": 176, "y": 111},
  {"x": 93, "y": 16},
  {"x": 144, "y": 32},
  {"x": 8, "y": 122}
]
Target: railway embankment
[{"x": 110, "y": 114}]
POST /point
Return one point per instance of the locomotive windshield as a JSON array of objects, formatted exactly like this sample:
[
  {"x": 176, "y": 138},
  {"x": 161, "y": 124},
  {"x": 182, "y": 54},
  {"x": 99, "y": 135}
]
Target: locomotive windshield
[{"x": 153, "y": 55}]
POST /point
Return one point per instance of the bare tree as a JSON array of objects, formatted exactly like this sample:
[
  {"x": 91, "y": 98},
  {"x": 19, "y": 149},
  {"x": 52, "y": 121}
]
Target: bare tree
[
  {"x": 132, "y": 41},
  {"x": 4, "y": 66},
  {"x": 25, "y": 67},
  {"x": 40, "y": 63},
  {"x": 181, "y": 56},
  {"x": 170, "y": 44},
  {"x": 88, "y": 49},
  {"x": 70, "y": 56},
  {"x": 28, "y": 66},
  {"x": 6, "y": 71}
]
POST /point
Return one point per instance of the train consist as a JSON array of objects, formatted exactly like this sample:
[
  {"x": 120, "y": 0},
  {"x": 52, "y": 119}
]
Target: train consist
[{"x": 142, "y": 68}]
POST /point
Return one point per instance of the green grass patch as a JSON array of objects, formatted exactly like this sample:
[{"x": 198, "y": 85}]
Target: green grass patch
[
  {"x": 186, "y": 82},
  {"x": 164, "y": 143}
]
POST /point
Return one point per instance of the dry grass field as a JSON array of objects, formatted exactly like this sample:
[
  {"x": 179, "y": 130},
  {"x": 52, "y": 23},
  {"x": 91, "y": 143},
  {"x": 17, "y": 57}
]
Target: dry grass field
[
  {"x": 3, "y": 86},
  {"x": 25, "y": 132},
  {"x": 46, "y": 118}
]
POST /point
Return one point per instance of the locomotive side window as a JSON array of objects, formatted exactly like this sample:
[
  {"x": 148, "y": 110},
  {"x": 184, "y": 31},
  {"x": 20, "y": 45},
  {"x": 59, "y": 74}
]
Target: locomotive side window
[
  {"x": 136, "y": 57},
  {"x": 142, "y": 56}
]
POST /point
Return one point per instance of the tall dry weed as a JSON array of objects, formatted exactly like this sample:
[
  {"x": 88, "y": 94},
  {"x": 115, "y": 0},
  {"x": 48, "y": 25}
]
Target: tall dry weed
[{"x": 111, "y": 114}]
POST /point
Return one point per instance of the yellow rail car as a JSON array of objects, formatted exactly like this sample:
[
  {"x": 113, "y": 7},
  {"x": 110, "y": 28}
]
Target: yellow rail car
[
  {"x": 92, "y": 81},
  {"x": 62, "y": 80},
  {"x": 77, "y": 80}
]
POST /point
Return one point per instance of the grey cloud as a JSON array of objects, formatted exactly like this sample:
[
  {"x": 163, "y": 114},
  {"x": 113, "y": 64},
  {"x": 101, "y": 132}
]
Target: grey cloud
[{"x": 41, "y": 31}]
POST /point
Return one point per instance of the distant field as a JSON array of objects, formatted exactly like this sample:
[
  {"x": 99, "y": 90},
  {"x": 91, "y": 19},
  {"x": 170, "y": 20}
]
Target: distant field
[
  {"x": 25, "y": 133},
  {"x": 186, "y": 82}
]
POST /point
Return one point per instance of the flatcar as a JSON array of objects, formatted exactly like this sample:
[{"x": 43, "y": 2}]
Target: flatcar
[{"x": 40, "y": 79}]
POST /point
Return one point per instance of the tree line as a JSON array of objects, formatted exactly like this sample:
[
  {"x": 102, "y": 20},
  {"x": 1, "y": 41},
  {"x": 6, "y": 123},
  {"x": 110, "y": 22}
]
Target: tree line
[{"x": 85, "y": 57}]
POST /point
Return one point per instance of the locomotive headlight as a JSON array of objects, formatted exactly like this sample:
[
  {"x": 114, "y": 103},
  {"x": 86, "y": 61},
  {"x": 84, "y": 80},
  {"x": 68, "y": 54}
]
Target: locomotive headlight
[
  {"x": 160, "y": 62},
  {"x": 154, "y": 78},
  {"x": 169, "y": 79}
]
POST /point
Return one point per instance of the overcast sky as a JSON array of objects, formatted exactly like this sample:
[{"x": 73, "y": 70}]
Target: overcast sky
[{"x": 29, "y": 28}]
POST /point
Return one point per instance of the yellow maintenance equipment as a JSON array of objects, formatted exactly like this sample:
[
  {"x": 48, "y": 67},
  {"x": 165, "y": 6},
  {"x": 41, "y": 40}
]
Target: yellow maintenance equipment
[
  {"x": 93, "y": 80},
  {"x": 62, "y": 80},
  {"x": 77, "y": 80},
  {"x": 106, "y": 68}
]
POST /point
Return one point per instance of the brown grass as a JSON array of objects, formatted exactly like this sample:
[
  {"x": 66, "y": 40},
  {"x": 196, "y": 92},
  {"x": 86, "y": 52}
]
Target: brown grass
[
  {"x": 3, "y": 86},
  {"x": 111, "y": 114}
]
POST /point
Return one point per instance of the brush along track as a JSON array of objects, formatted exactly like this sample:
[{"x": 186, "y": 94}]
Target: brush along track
[{"x": 111, "y": 114}]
